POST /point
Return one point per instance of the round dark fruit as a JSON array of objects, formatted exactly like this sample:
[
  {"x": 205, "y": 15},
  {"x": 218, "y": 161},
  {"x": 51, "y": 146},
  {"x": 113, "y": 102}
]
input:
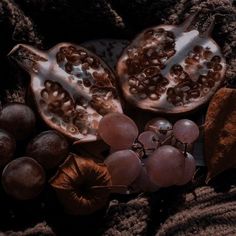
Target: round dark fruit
[
  {"x": 49, "y": 148},
  {"x": 23, "y": 178},
  {"x": 18, "y": 119},
  {"x": 7, "y": 147}
]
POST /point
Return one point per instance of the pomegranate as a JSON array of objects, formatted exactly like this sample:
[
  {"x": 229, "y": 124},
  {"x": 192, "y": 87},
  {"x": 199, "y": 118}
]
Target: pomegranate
[
  {"x": 73, "y": 89},
  {"x": 171, "y": 69}
]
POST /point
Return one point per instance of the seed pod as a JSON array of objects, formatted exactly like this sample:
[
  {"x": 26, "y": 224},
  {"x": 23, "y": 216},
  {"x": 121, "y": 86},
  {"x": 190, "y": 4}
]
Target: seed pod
[
  {"x": 171, "y": 69},
  {"x": 72, "y": 88},
  {"x": 220, "y": 133},
  {"x": 77, "y": 185}
]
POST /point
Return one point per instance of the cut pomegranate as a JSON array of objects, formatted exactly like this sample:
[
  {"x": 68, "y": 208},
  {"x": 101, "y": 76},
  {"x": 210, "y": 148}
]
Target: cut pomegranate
[
  {"x": 73, "y": 88},
  {"x": 171, "y": 69}
]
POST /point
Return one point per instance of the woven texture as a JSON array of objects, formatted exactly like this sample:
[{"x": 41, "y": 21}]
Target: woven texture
[
  {"x": 128, "y": 218},
  {"x": 205, "y": 213},
  {"x": 202, "y": 212}
]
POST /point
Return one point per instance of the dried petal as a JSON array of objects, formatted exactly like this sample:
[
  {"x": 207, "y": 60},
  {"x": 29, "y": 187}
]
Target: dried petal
[
  {"x": 74, "y": 181},
  {"x": 220, "y": 133}
]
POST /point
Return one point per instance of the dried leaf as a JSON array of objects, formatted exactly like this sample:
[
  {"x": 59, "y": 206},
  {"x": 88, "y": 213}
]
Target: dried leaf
[
  {"x": 74, "y": 184},
  {"x": 220, "y": 133}
]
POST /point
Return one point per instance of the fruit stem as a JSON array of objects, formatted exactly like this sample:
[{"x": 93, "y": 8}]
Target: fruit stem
[
  {"x": 185, "y": 149},
  {"x": 188, "y": 22},
  {"x": 27, "y": 57},
  {"x": 123, "y": 189},
  {"x": 136, "y": 148},
  {"x": 166, "y": 139},
  {"x": 155, "y": 129},
  {"x": 209, "y": 29}
]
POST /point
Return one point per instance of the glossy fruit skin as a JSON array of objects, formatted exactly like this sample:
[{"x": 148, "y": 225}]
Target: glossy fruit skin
[
  {"x": 189, "y": 169},
  {"x": 7, "y": 147},
  {"x": 23, "y": 178},
  {"x": 124, "y": 167},
  {"x": 165, "y": 166},
  {"x": 143, "y": 183},
  {"x": 186, "y": 131},
  {"x": 49, "y": 148},
  {"x": 161, "y": 126},
  {"x": 118, "y": 130},
  {"x": 18, "y": 119}
]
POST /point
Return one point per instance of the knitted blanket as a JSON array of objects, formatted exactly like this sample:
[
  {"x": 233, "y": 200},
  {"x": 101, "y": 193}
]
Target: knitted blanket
[{"x": 203, "y": 211}]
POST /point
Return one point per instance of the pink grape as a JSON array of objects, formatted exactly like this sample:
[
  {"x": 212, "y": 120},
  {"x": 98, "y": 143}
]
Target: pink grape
[
  {"x": 189, "y": 169},
  {"x": 124, "y": 167},
  {"x": 165, "y": 166},
  {"x": 161, "y": 126},
  {"x": 148, "y": 140},
  {"x": 186, "y": 131},
  {"x": 143, "y": 183},
  {"x": 118, "y": 130}
]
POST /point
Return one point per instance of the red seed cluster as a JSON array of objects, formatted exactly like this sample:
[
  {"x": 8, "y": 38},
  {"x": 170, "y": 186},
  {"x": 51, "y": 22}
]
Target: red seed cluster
[
  {"x": 56, "y": 102},
  {"x": 145, "y": 62},
  {"x": 74, "y": 57},
  {"x": 191, "y": 84}
]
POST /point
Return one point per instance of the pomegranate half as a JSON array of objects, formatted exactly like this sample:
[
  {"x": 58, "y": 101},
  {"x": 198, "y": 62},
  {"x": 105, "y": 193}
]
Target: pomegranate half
[
  {"x": 73, "y": 88},
  {"x": 171, "y": 69}
]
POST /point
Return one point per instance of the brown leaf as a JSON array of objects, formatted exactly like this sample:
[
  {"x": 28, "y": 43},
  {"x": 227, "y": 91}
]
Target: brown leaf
[{"x": 220, "y": 133}]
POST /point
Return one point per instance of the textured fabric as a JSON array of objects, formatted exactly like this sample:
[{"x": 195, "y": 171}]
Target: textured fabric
[
  {"x": 40, "y": 229},
  {"x": 205, "y": 213},
  {"x": 202, "y": 212},
  {"x": 130, "y": 218}
]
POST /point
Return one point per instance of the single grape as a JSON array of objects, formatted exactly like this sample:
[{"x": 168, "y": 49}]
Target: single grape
[
  {"x": 189, "y": 169},
  {"x": 161, "y": 126},
  {"x": 165, "y": 166},
  {"x": 124, "y": 167},
  {"x": 186, "y": 131},
  {"x": 118, "y": 130},
  {"x": 149, "y": 141},
  {"x": 143, "y": 183}
]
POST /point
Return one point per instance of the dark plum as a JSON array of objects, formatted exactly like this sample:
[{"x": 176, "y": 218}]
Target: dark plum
[
  {"x": 49, "y": 148},
  {"x": 23, "y": 178},
  {"x": 18, "y": 119}
]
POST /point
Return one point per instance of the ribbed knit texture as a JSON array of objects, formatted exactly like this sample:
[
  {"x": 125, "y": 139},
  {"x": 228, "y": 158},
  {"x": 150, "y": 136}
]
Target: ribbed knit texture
[
  {"x": 204, "y": 212},
  {"x": 130, "y": 218}
]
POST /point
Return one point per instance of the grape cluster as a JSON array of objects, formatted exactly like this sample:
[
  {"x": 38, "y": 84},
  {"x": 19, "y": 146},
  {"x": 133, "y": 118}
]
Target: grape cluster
[{"x": 154, "y": 158}]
